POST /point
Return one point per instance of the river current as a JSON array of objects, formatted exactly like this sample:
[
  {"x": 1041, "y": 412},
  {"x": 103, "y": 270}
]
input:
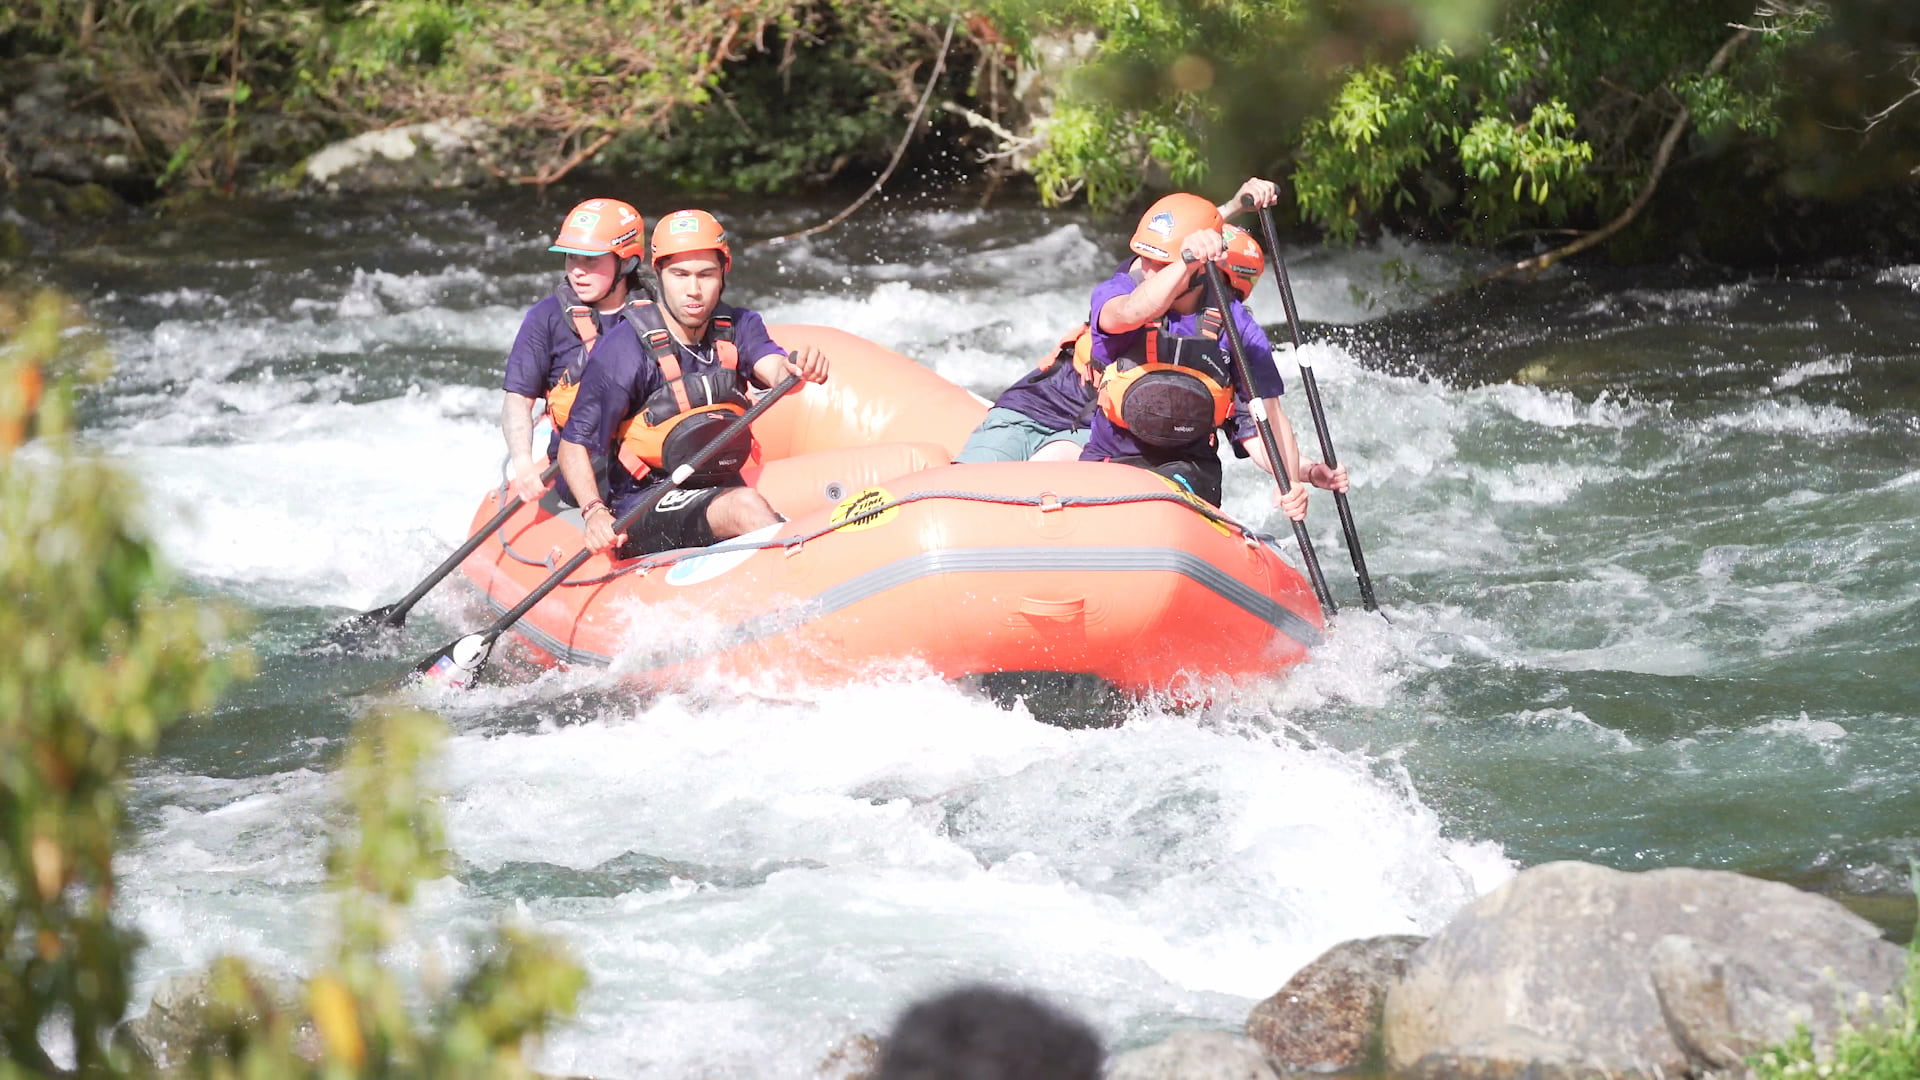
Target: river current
[{"x": 1648, "y": 544}]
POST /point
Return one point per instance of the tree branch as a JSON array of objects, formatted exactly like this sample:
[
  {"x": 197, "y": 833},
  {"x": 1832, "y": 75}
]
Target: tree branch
[
  {"x": 1532, "y": 267},
  {"x": 899, "y": 151}
]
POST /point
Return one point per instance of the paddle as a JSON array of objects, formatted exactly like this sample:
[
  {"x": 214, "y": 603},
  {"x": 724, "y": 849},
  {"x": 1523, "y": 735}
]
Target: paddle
[
  {"x": 1272, "y": 237},
  {"x": 1238, "y": 349},
  {"x": 460, "y": 661},
  {"x": 394, "y": 615}
]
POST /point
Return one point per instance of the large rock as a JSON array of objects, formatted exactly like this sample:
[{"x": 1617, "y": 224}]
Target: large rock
[
  {"x": 407, "y": 158},
  {"x": 50, "y": 127},
  {"x": 1577, "y": 970},
  {"x": 182, "y": 1013},
  {"x": 1195, "y": 1055},
  {"x": 854, "y": 1058},
  {"x": 1327, "y": 1017}
]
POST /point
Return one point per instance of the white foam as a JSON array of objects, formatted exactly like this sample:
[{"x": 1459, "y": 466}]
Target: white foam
[
  {"x": 1811, "y": 369},
  {"x": 316, "y": 512},
  {"x": 1821, "y": 733},
  {"x": 1908, "y": 276},
  {"x": 1572, "y": 721},
  {"x": 841, "y": 852},
  {"x": 1788, "y": 417}
]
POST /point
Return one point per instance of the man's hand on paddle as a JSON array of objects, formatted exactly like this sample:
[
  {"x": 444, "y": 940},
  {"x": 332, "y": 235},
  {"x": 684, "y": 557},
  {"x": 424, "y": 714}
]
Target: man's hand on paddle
[
  {"x": 1255, "y": 194},
  {"x": 599, "y": 532},
  {"x": 1294, "y": 502},
  {"x": 1202, "y": 245},
  {"x": 809, "y": 363},
  {"x": 1320, "y": 476},
  {"x": 526, "y": 485}
]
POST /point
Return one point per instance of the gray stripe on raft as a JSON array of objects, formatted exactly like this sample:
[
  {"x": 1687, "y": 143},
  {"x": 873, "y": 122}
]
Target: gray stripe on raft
[{"x": 968, "y": 561}]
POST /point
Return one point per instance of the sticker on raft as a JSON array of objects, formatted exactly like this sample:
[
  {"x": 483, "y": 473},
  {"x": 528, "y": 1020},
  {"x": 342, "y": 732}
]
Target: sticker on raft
[
  {"x": 725, "y": 557},
  {"x": 864, "y": 503},
  {"x": 1205, "y": 507}
]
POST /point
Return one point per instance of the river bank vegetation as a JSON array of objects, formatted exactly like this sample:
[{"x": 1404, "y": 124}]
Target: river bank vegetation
[
  {"x": 1475, "y": 121},
  {"x": 102, "y": 655}
]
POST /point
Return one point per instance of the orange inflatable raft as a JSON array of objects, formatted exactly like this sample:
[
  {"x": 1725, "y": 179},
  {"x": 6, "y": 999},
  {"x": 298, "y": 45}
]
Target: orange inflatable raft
[{"x": 891, "y": 556}]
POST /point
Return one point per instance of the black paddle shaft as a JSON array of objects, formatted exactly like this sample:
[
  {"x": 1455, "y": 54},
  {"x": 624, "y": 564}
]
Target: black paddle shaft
[
  {"x": 1238, "y": 350},
  {"x": 394, "y": 615},
  {"x": 1320, "y": 428},
  {"x": 492, "y": 633},
  {"x": 472, "y": 544}
]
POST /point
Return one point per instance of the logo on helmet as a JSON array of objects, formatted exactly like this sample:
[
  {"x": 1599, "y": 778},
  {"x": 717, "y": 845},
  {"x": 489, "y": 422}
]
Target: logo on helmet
[
  {"x": 683, "y": 225},
  {"x": 1161, "y": 225},
  {"x": 584, "y": 219}
]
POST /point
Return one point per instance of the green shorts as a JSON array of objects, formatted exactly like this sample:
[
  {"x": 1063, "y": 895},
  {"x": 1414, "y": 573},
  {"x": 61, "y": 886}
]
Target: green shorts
[{"x": 1006, "y": 435}]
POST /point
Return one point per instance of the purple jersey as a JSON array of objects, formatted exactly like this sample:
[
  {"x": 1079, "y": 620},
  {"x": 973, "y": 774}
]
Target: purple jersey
[
  {"x": 752, "y": 341},
  {"x": 623, "y": 375},
  {"x": 1056, "y": 398},
  {"x": 542, "y": 352},
  {"x": 1111, "y": 441}
]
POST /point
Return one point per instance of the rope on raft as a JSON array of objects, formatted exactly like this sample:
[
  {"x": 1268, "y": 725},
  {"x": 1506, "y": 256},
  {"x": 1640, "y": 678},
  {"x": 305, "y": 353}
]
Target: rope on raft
[{"x": 789, "y": 543}]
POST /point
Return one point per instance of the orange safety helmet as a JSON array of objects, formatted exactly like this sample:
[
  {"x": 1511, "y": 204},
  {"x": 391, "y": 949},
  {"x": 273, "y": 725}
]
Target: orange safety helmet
[
  {"x": 602, "y": 226},
  {"x": 1244, "y": 260},
  {"x": 1171, "y": 220},
  {"x": 691, "y": 230}
]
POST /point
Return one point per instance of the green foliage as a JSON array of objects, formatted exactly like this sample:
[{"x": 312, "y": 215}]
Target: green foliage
[
  {"x": 1553, "y": 115},
  {"x": 1176, "y": 91},
  {"x": 1882, "y": 1048},
  {"x": 817, "y": 97},
  {"x": 98, "y": 655},
  {"x": 95, "y": 660}
]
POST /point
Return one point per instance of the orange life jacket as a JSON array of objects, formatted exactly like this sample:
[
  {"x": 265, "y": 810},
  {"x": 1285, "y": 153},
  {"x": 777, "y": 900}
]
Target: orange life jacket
[
  {"x": 1170, "y": 390},
  {"x": 579, "y": 316},
  {"x": 1075, "y": 345},
  {"x": 18, "y": 427},
  {"x": 678, "y": 420}
]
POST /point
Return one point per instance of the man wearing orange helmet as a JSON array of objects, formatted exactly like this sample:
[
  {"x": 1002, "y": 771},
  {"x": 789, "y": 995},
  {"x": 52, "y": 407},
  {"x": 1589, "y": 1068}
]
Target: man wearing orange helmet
[
  {"x": 1166, "y": 384},
  {"x": 667, "y": 400},
  {"x": 603, "y": 240},
  {"x": 1045, "y": 416}
]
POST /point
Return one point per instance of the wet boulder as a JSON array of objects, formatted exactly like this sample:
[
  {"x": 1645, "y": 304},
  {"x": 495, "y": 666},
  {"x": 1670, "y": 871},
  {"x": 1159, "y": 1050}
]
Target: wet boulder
[
  {"x": 855, "y": 1058},
  {"x": 1327, "y": 1017},
  {"x": 186, "y": 1009},
  {"x": 1195, "y": 1055},
  {"x": 1574, "y": 969},
  {"x": 51, "y": 126},
  {"x": 441, "y": 154}
]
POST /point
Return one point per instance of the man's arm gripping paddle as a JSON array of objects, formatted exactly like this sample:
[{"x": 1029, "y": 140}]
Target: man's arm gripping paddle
[
  {"x": 460, "y": 661},
  {"x": 1238, "y": 350},
  {"x": 1272, "y": 236},
  {"x": 394, "y": 615}
]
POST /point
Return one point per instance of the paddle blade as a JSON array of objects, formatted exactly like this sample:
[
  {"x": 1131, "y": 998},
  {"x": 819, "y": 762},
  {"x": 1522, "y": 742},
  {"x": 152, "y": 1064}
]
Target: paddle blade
[
  {"x": 354, "y": 632},
  {"x": 457, "y": 665}
]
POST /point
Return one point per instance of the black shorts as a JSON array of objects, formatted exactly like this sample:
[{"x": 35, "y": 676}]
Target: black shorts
[
  {"x": 1195, "y": 468},
  {"x": 678, "y": 520}
]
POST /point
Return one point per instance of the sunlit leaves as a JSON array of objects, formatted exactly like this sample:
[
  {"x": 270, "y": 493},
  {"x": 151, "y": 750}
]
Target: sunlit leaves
[
  {"x": 97, "y": 657},
  {"x": 99, "y": 654}
]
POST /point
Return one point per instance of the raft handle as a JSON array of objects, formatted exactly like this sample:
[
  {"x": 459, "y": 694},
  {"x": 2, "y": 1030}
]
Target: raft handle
[{"x": 1069, "y": 608}]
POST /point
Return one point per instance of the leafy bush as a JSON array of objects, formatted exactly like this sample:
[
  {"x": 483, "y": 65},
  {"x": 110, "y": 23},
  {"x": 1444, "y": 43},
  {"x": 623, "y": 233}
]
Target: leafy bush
[{"x": 99, "y": 654}]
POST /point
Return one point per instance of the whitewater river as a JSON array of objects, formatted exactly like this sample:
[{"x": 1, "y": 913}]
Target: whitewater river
[{"x": 1648, "y": 545}]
